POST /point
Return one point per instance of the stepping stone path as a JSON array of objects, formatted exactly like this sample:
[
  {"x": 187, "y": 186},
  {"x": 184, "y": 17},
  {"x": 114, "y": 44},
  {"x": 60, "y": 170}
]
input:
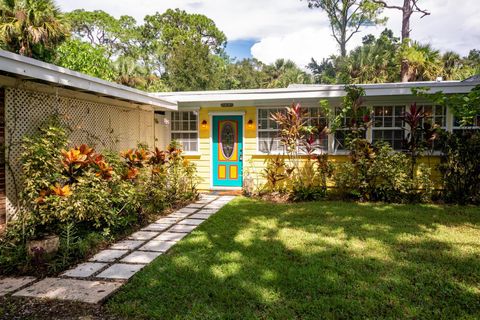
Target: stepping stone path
[{"x": 108, "y": 270}]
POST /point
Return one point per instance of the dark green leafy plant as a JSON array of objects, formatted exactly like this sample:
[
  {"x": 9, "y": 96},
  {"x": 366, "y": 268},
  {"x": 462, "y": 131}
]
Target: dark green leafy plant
[{"x": 460, "y": 167}]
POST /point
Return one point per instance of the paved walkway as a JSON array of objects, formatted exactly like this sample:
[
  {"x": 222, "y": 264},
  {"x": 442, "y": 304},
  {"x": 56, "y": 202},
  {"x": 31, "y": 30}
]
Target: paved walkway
[{"x": 96, "y": 279}]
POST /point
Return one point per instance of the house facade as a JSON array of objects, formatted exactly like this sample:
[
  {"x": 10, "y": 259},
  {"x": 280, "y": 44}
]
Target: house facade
[{"x": 229, "y": 134}]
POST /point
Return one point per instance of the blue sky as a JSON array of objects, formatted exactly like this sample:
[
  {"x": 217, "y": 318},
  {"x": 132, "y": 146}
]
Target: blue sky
[
  {"x": 240, "y": 49},
  {"x": 272, "y": 29}
]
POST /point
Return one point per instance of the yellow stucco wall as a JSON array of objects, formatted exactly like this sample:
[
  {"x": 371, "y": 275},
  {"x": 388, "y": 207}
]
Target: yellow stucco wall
[{"x": 253, "y": 160}]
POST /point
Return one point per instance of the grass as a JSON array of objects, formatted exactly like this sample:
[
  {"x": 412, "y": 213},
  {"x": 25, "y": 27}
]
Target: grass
[{"x": 257, "y": 260}]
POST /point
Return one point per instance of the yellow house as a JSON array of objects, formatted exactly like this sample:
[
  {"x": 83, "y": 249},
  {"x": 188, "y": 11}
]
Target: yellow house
[
  {"x": 225, "y": 133},
  {"x": 228, "y": 133}
]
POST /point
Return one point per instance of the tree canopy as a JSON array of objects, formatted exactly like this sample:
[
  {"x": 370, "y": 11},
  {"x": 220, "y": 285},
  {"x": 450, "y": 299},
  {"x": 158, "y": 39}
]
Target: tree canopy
[
  {"x": 31, "y": 28},
  {"x": 181, "y": 51}
]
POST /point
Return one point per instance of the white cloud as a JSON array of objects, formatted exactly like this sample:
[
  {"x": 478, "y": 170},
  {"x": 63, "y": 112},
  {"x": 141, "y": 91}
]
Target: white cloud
[{"x": 288, "y": 29}]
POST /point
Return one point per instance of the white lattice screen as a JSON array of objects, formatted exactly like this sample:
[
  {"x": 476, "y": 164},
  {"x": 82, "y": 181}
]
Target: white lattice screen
[{"x": 101, "y": 125}]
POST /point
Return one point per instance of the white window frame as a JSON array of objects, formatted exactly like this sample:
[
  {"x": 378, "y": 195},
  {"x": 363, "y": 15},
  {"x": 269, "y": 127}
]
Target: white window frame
[
  {"x": 280, "y": 152},
  {"x": 449, "y": 123},
  {"x": 333, "y": 147},
  {"x": 464, "y": 128},
  {"x": 383, "y": 128},
  {"x": 197, "y": 131}
]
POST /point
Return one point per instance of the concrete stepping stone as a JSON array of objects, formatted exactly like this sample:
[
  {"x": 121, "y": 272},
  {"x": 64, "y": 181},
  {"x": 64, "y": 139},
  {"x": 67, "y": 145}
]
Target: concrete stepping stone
[
  {"x": 190, "y": 222},
  {"x": 171, "y": 236},
  {"x": 84, "y": 270},
  {"x": 207, "y": 196},
  {"x": 70, "y": 289},
  {"x": 201, "y": 215},
  {"x": 195, "y": 206},
  {"x": 127, "y": 244},
  {"x": 182, "y": 228},
  {"x": 180, "y": 215},
  {"x": 120, "y": 271},
  {"x": 208, "y": 211},
  {"x": 170, "y": 220},
  {"x": 108, "y": 255},
  {"x": 185, "y": 210},
  {"x": 9, "y": 285},
  {"x": 143, "y": 257},
  {"x": 143, "y": 235},
  {"x": 157, "y": 245},
  {"x": 157, "y": 227}
]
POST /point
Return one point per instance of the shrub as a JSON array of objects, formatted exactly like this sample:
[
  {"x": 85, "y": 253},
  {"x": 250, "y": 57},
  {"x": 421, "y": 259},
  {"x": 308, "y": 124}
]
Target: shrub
[
  {"x": 460, "y": 167},
  {"x": 87, "y": 197},
  {"x": 378, "y": 173}
]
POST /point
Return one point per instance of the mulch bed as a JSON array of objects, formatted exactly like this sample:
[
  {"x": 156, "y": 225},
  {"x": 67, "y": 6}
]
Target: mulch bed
[{"x": 22, "y": 308}]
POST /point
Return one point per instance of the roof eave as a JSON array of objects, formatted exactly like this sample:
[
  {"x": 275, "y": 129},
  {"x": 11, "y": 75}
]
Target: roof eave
[{"x": 28, "y": 68}]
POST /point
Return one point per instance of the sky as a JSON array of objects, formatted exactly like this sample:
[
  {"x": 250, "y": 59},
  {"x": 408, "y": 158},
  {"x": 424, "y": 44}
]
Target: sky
[{"x": 272, "y": 29}]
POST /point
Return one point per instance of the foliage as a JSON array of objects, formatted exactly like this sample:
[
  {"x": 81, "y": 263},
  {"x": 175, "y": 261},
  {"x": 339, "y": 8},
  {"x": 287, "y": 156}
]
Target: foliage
[
  {"x": 86, "y": 58},
  {"x": 347, "y": 17},
  {"x": 381, "y": 174},
  {"x": 74, "y": 191},
  {"x": 415, "y": 139},
  {"x": 283, "y": 72},
  {"x": 460, "y": 167},
  {"x": 32, "y": 28},
  {"x": 189, "y": 46},
  {"x": 379, "y": 60},
  {"x": 275, "y": 172},
  {"x": 465, "y": 107},
  {"x": 101, "y": 30}
]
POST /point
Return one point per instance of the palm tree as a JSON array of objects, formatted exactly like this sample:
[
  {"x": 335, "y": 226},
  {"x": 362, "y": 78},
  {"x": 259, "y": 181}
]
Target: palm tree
[
  {"x": 283, "y": 72},
  {"x": 456, "y": 68},
  {"x": 129, "y": 73},
  {"x": 30, "y": 27}
]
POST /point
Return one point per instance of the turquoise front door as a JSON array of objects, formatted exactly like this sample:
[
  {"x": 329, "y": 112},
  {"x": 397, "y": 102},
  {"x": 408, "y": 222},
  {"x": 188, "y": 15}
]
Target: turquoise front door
[{"x": 227, "y": 151}]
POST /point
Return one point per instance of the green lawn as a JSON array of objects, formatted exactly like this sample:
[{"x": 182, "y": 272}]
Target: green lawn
[{"x": 316, "y": 260}]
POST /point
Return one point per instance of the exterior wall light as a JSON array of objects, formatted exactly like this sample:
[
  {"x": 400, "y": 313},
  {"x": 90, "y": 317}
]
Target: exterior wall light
[
  {"x": 250, "y": 124},
  {"x": 204, "y": 124}
]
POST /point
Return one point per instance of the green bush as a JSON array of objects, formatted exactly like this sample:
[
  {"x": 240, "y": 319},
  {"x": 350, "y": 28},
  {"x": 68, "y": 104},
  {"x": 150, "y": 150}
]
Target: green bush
[
  {"x": 378, "y": 173},
  {"x": 460, "y": 167},
  {"x": 87, "y": 197}
]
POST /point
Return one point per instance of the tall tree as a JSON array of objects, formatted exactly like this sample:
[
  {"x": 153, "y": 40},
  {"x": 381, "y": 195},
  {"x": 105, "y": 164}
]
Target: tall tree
[
  {"x": 116, "y": 36},
  {"x": 245, "y": 74},
  {"x": 373, "y": 62},
  {"x": 190, "y": 48},
  {"x": 408, "y": 9},
  {"x": 347, "y": 17},
  {"x": 86, "y": 58},
  {"x": 283, "y": 72},
  {"x": 325, "y": 71},
  {"x": 32, "y": 28}
]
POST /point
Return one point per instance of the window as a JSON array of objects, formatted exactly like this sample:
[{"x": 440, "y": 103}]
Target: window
[
  {"x": 268, "y": 140},
  {"x": 184, "y": 129},
  {"x": 458, "y": 129},
  {"x": 387, "y": 125},
  {"x": 341, "y": 134},
  {"x": 436, "y": 116},
  {"x": 268, "y": 130}
]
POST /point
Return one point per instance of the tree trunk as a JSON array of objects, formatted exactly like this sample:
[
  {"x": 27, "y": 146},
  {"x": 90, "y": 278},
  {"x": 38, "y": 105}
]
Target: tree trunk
[
  {"x": 343, "y": 49},
  {"x": 407, "y": 13}
]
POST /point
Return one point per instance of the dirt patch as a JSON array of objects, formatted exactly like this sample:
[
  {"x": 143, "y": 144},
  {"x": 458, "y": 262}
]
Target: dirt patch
[{"x": 20, "y": 308}]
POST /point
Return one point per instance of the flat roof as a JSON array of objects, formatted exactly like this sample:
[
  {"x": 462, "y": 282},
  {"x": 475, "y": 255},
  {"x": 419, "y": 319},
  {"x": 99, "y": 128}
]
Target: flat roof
[
  {"x": 35, "y": 70},
  {"x": 294, "y": 92}
]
